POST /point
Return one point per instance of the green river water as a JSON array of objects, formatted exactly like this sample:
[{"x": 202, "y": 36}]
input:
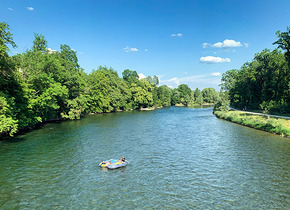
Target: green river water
[{"x": 179, "y": 158}]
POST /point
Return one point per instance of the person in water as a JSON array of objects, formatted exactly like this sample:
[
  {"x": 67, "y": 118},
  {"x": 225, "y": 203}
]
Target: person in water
[
  {"x": 106, "y": 162},
  {"x": 123, "y": 159}
]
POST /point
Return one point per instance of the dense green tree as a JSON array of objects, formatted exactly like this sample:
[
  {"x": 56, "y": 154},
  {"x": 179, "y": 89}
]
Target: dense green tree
[
  {"x": 69, "y": 54},
  {"x": 228, "y": 79},
  {"x": 184, "y": 90},
  {"x": 222, "y": 103},
  {"x": 186, "y": 94},
  {"x": 283, "y": 42},
  {"x": 175, "y": 97},
  {"x": 164, "y": 95},
  {"x": 5, "y": 38},
  {"x": 10, "y": 88},
  {"x": 198, "y": 96},
  {"x": 260, "y": 82},
  {"x": 210, "y": 95},
  {"x": 130, "y": 76},
  {"x": 7, "y": 67},
  {"x": 8, "y": 123},
  {"x": 142, "y": 95},
  {"x": 39, "y": 43},
  {"x": 153, "y": 80},
  {"x": 107, "y": 91}
]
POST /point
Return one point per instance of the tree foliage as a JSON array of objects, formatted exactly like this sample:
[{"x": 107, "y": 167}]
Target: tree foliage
[
  {"x": 39, "y": 85},
  {"x": 39, "y": 43},
  {"x": 283, "y": 42},
  {"x": 262, "y": 82},
  {"x": 209, "y": 95}
]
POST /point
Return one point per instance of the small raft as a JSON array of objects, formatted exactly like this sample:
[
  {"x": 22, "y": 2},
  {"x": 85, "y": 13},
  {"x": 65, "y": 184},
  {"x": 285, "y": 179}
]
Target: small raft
[
  {"x": 107, "y": 163},
  {"x": 112, "y": 164},
  {"x": 117, "y": 165}
]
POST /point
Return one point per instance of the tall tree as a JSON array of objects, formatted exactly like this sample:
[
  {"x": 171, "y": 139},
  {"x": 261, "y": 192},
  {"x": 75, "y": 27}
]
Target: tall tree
[
  {"x": 10, "y": 89},
  {"x": 153, "y": 80},
  {"x": 283, "y": 42},
  {"x": 39, "y": 43},
  {"x": 198, "y": 96},
  {"x": 130, "y": 76},
  {"x": 69, "y": 54},
  {"x": 164, "y": 95},
  {"x": 210, "y": 95},
  {"x": 5, "y": 39}
]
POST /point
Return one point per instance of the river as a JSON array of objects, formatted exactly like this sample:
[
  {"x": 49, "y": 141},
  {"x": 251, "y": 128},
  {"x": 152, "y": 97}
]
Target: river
[{"x": 179, "y": 158}]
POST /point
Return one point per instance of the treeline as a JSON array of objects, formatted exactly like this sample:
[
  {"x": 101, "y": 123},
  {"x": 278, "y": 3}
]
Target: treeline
[
  {"x": 40, "y": 85},
  {"x": 263, "y": 83}
]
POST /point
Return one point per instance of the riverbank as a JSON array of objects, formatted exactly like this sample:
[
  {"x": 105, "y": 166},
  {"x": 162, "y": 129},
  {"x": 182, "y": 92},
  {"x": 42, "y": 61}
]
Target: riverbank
[
  {"x": 39, "y": 124},
  {"x": 269, "y": 124},
  {"x": 204, "y": 104}
]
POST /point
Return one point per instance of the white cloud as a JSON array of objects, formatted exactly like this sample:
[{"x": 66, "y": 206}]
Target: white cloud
[
  {"x": 30, "y": 8},
  {"x": 215, "y": 74},
  {"x": 141, "y": 76},
  {"x": 177, "y": 35},
  {"x": 130, "y": 49},
  {"x": 10, "y": 9},
  {"x": 212, "y": 59},
  {"x": 227, "y": 43}
]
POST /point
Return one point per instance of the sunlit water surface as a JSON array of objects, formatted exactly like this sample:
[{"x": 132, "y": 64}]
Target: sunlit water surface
[{"x": 179, "y": 158}]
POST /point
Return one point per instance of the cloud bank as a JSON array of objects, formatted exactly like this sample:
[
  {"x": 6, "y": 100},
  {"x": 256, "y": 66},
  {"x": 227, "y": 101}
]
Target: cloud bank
[{"x": 30, "y": 8}]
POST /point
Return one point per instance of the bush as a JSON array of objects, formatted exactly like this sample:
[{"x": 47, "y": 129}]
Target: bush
[
  {"x": 275, "y": 107},
  {"x": 222, "y": 104}
]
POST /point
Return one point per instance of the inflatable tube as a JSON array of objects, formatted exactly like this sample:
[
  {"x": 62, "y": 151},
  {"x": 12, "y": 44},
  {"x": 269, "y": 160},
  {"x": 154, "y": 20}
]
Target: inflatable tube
[
  {"x": 117, "y": 165},
  {"x": 107, "y": 163}
]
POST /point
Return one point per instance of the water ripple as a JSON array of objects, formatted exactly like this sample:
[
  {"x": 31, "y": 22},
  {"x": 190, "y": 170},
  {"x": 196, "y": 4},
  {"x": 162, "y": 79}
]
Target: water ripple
[{"x": 180, "y": 158}]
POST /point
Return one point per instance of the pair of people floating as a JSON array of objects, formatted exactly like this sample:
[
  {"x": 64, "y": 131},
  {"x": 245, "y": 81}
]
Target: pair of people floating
[
  {"x": 122, "y": 160},
  {"x": 114, "y": 163}
]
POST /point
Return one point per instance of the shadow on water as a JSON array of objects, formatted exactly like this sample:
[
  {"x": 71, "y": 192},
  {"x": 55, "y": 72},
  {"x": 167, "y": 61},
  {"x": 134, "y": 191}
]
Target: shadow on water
[
  {"x": 20, "y": 136},
  {"x": 117, "y": 170},
  {"x": 201, "y": 106}
]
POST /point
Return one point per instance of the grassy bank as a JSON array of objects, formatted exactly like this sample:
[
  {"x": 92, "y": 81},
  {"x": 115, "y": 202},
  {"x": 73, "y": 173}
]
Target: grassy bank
[{"x": 272, "y": 125}]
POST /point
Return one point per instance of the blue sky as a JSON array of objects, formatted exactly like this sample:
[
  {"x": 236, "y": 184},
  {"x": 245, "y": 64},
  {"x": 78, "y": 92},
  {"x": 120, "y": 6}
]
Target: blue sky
[{"x": 181, "y": 41}]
